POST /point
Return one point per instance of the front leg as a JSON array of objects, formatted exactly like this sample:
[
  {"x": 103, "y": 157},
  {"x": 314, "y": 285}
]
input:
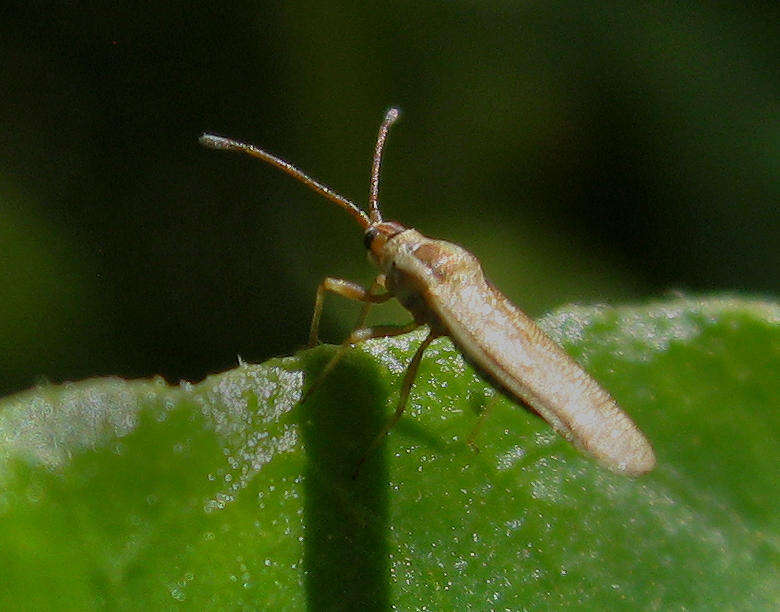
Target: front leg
[{"x": 349, "y": 290}]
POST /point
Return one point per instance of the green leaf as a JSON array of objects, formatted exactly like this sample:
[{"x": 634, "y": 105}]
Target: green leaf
[{"x": 230, "y": 493}]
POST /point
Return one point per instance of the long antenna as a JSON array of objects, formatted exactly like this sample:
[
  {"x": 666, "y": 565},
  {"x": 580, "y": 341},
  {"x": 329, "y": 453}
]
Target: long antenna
[
  {"x": 227, "y": 144},
  {"x": 373, "y": 197}
]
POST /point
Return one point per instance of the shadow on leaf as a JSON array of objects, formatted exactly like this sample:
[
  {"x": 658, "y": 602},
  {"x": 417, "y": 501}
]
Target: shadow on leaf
[{"x": 346, "y": 519}]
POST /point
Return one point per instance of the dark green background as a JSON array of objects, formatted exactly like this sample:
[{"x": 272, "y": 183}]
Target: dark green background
[{"x": 600, "y": 152}]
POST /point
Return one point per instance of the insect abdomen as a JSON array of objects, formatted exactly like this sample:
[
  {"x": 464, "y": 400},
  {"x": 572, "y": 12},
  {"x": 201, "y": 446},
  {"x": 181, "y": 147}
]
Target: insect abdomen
[
  {"x": 511, "y": 349},
  {"x": 516, "y": 353}
]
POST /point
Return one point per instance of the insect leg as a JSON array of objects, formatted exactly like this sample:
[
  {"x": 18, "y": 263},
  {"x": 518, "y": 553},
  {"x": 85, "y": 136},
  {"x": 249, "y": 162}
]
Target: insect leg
[
  {"x": 480, "y": 421},
  {"x": 406, "y": 386},
  {"x": 344, "y": 288},
  {"x": 379, "y": 283},
  {"x": 356, "y": 337}
]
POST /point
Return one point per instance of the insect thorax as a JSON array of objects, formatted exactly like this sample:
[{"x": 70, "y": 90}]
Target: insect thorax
[{"x": 416, "y": 265}]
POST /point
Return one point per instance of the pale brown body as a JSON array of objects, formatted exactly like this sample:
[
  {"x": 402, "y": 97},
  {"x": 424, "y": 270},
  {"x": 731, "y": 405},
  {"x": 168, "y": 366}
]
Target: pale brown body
[
  {"x": 443, "y": 286},
  {"x": 494, "y": 335}
]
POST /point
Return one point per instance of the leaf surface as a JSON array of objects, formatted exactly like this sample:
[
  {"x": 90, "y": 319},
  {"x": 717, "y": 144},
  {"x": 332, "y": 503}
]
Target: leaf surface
[{"x": 230, "y": 493}]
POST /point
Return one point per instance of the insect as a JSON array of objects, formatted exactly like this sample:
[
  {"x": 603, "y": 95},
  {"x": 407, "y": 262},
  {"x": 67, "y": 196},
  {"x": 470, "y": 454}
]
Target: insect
[{"x": 444, "y": 288}]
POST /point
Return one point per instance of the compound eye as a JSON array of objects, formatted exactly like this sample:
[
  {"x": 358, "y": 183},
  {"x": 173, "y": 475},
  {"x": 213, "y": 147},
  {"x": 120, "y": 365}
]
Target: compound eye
[{"x": 368, "y": 237}]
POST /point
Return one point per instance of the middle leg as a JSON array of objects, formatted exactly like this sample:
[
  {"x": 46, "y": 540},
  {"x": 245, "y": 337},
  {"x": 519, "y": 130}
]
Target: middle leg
[
  {"x": 406, "y": 387},
  {"x": 356, "y": 337}
]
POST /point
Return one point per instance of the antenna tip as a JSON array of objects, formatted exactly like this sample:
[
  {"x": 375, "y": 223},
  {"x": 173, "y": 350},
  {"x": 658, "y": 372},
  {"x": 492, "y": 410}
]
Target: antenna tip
[
  {"x": 214, "y": 142},
  {"x": 392, "y": 114}
]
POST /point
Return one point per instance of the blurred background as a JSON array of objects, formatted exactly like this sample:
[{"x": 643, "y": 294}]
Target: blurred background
[{"x": 583, "y": 151}]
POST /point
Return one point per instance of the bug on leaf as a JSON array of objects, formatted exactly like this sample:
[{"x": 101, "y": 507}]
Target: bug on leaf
[{"x": 444, "y": 288}]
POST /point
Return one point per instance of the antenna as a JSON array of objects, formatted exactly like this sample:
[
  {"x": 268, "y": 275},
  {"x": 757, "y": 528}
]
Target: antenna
[
  {"x": 227, "y": 144},
  {"x": 373, "y": 197}
]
